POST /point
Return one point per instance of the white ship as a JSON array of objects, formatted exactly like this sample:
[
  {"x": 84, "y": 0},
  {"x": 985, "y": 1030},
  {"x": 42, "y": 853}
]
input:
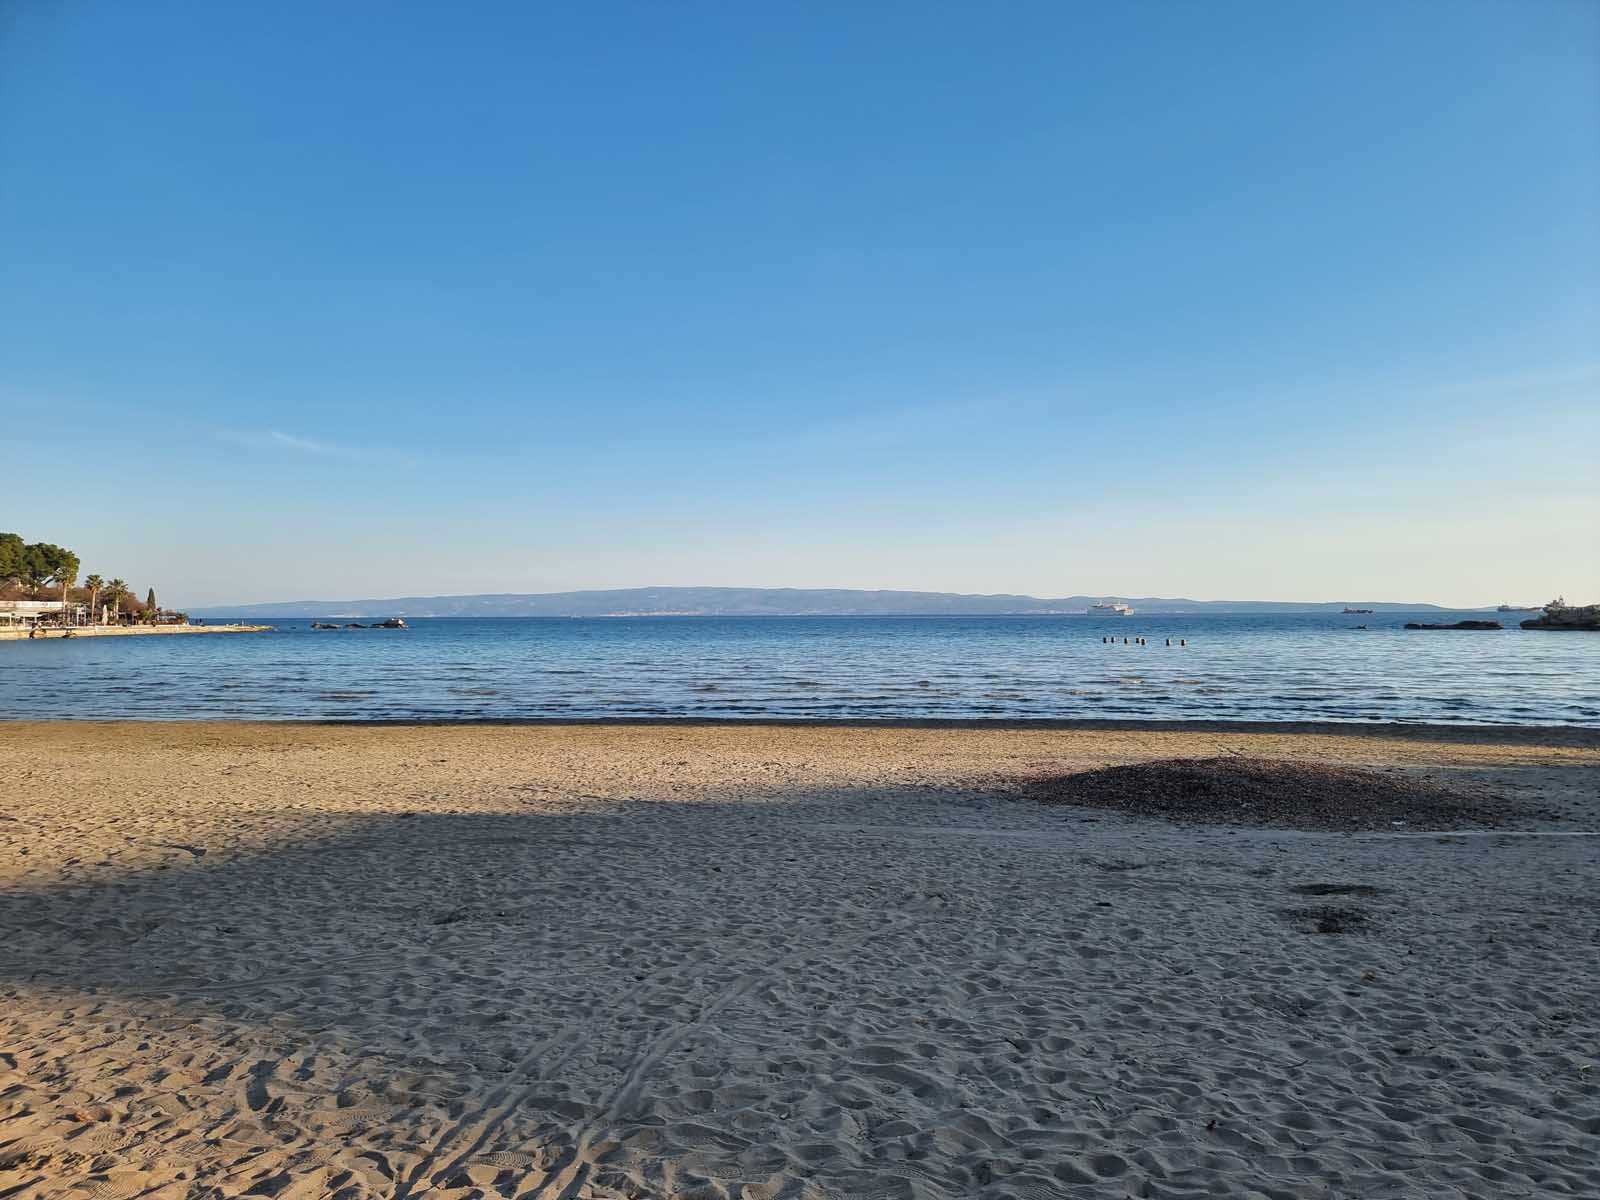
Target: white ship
[{"x": 1110, "y": 608}]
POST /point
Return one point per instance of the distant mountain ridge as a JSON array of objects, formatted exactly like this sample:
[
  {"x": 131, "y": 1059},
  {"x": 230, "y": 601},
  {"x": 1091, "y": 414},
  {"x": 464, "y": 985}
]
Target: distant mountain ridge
[{"x": 765, "y": 602}]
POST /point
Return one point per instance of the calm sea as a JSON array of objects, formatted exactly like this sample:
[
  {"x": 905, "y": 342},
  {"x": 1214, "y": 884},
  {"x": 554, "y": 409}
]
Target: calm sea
[{"x": 1234, "y": 667}]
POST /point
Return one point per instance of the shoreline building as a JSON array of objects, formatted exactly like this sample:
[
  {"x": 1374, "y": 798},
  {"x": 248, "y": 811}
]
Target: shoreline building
[{"x": 14, "y": 613}]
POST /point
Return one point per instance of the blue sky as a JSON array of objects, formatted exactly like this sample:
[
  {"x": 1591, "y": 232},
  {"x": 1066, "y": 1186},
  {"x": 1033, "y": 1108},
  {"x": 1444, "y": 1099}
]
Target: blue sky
[{"x": 1278, "y": 300}]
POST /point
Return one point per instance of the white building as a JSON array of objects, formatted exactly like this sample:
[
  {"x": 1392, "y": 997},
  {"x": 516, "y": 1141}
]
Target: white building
[{"x": 30, "y": 612}]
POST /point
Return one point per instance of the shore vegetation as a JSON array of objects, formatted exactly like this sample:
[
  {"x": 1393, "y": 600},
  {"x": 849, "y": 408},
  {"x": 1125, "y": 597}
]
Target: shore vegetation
[{"x": 45, "y": 571}]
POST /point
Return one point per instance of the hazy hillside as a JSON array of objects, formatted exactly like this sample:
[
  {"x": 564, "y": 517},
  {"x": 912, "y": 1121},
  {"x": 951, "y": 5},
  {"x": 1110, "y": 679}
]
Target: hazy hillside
[{"x": 775, "y": 602}]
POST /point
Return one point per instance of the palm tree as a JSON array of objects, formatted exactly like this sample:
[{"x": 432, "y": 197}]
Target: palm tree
[
  {"x": 94, "y": 583},
  {"x": 66, "y": 574},
  {"x": 115, "y": 591}
]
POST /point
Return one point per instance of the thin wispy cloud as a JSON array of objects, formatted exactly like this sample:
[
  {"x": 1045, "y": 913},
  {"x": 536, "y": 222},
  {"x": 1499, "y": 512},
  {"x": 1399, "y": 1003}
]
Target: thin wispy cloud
[
  {"x": 309, "y": 445},
  {"x": 277, "y": 439},
  {"x": 303, "y": 444},
  {"x": 297, "y": 443},
  {"x": 1583, "y": 377}
]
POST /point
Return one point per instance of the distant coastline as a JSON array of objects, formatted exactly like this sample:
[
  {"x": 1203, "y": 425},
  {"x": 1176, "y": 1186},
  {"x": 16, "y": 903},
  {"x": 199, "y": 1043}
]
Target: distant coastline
[{"x": 774, "y": 602}]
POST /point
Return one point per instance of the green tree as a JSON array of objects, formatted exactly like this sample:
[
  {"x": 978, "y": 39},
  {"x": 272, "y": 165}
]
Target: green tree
[
  {"x": 38, "y": 565},
  {"x": 116, "y": 591},
  {"x": 64, "y": 572},
  {"x": 44, "y": 562},
  {"x": 94, "y": 583},
  {"x": 13, "y": 556}
]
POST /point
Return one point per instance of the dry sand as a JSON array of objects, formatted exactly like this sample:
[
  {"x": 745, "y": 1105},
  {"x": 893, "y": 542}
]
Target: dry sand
[{"x": 698, "y": 961}]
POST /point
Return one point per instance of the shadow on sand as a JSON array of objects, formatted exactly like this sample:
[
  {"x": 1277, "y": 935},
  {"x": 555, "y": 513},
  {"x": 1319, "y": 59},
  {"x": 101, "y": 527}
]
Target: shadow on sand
[{"x": 642, "y": 998}]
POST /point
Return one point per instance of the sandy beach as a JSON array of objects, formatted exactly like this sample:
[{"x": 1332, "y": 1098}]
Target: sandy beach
[{"x": 771, "y": 961}]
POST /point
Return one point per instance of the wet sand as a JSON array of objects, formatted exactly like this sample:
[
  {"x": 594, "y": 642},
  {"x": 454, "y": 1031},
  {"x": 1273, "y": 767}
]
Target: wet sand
[{"x": 779, "y": 961}]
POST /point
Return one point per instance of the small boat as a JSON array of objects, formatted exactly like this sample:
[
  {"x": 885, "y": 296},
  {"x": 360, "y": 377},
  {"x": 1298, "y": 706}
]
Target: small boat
[
  {"x": 391, "y": 623},
  {"x": 1356, "y": 612},
  {"x": 1110, "y": 608},
  {"x": 1517, "y": 608}
]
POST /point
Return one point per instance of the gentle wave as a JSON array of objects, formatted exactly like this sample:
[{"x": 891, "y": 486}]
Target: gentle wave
[{"x": 1234, "y": 668}]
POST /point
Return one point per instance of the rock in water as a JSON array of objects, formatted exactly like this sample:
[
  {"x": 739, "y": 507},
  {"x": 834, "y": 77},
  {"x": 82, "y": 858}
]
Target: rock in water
[{"x": 1564, "y": 616}]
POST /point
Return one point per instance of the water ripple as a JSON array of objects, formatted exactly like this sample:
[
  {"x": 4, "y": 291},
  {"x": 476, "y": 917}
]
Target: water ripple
[{"x": 1235, "y": 667}]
